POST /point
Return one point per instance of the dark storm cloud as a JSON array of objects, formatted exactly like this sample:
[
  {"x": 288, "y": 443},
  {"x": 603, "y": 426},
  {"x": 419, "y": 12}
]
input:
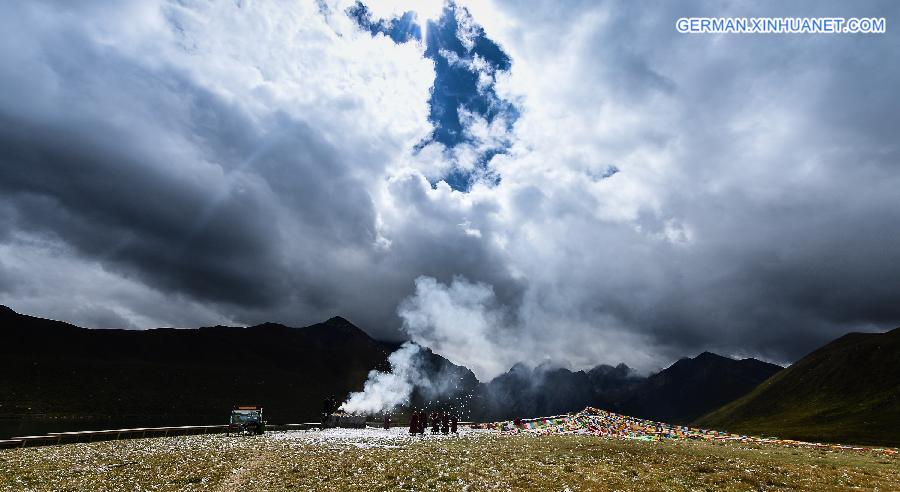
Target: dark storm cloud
[
  {"x": 109, "y": 188},
  {"x": 117, "y": 205},
  {"x": 803, "y": 237},
  {"x": 161, "y": 180},
  {"x": 805, "y": 275},
  {"x": 787, "y": 176}
]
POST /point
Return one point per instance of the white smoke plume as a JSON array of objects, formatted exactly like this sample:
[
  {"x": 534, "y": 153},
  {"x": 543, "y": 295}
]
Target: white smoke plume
[
  {"x": 464, "y": 322},
  {"x": 413, "y": 371},
  {"x": 384, "y": 391}
]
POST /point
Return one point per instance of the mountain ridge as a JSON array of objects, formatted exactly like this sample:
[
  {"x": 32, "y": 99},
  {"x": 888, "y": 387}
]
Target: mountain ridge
[
  {"x": 291, "y": 369},
  {"x": 846, "y": 390},
  {"x": 677, "y": 394},
  {"x": 691, "y": 387},
  {"x": 58, "y": 369}
]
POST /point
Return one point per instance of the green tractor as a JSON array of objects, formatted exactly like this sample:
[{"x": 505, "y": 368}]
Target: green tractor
[{"x": 247, "y": 420}]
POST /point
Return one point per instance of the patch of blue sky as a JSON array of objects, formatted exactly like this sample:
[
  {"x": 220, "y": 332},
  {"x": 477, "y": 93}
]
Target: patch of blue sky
[
  {"x": 466, "y": 62},
  {"x": 399, "y": 29}
]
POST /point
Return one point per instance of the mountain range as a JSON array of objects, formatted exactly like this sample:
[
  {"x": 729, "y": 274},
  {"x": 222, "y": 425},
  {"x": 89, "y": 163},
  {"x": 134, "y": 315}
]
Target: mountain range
[
  {"x": 51, "y": 369},
  {"x": 678, "y": 394},
  {"x": 55, "y": 371}
]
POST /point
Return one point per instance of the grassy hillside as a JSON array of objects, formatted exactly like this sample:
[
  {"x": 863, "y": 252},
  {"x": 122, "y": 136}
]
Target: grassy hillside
[{"x": 846, "y": 391}]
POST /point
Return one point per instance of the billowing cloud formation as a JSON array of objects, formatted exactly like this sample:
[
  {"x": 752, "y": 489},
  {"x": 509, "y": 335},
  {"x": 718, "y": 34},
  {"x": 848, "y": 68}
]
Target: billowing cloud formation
[
  {"x": 172, "y": 163},
  {"x": 461, "y": 321}
]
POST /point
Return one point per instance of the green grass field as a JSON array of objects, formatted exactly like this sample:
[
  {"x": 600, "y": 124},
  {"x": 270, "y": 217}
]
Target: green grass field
[{"x": 475, "y": 461}]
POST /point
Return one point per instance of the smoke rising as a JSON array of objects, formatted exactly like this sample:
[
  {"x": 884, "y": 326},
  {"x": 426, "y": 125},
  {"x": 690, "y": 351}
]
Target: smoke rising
[
  {"x": 463, "y": 322},
  {"x": 384, "y": 391},
  {"x": 416, "y": 377}
]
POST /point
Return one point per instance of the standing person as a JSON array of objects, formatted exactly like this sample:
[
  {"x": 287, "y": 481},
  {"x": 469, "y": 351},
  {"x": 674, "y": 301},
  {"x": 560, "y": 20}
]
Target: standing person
[
  {"x": 414, "y": 422},
  {"x": 387, "y": 422},
  {"x": 445, "y": 423},
  {"x": 327, "y": 405},
  {"x": 454, "y": 420}
]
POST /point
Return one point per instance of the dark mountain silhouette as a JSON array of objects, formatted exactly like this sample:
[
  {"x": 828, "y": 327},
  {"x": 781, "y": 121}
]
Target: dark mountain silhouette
[
  {"x": 682, "y": 392},
  {"x": 846, "y": 391},
  {"x": 605, "y": 378},
  {"x": 54, "y": 369},
  {"x": 690, "y": 388},
  {"x": 447, "y": 386},
  {"x": 525, "y": 392}
]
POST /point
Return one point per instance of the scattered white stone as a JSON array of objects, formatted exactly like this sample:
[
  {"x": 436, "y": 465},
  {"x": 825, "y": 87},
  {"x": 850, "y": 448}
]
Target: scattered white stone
[{"x": 369, "y": 437}]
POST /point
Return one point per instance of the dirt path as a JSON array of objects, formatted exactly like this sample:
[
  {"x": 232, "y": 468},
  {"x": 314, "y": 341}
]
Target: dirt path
[{"x": 240, "y": 480}]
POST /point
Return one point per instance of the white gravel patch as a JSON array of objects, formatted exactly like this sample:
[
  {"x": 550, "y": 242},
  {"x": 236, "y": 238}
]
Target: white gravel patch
[{"x": 369, "y": 437}]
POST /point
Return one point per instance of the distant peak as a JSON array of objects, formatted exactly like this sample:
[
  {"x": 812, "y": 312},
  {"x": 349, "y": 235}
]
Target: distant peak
[
  {"x": 341, "y": 323},
  {"x": 709, "y": 356},
  {"x": 620, "y": 368},
  {"x": 270, "y": 325},
  {"x": 7, "y": 313},
  {"x": 703, "y": 358}
]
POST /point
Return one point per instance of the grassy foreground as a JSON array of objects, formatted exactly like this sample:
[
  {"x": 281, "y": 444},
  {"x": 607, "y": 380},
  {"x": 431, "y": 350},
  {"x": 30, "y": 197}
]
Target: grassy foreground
[{"x": 476, "y": 461}]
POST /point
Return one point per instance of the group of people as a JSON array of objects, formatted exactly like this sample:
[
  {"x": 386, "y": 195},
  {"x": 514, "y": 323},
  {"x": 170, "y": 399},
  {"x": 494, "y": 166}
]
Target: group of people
[{"x": 443, "y": 422}]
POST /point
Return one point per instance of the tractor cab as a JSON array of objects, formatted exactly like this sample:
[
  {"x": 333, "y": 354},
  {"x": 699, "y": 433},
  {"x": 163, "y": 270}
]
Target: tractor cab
[{"x": 246, "y": 420}]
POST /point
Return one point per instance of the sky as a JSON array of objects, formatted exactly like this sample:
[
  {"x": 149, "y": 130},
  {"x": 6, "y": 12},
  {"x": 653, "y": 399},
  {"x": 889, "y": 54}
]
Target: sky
[{"x": 567, "y": 183}]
